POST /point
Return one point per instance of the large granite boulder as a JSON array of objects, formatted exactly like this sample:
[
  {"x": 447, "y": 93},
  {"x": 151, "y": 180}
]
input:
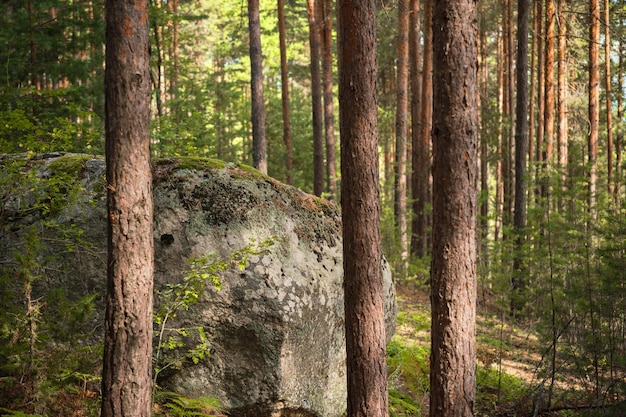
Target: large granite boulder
[{"x": 275, "y": 327}]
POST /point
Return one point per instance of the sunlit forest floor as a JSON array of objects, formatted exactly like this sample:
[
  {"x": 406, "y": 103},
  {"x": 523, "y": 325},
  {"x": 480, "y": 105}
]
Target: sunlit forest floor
[{"x": 513, "y": 366}]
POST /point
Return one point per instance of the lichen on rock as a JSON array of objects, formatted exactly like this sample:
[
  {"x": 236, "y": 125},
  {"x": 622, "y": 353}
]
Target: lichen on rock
[{"x": 276, "y": 327}]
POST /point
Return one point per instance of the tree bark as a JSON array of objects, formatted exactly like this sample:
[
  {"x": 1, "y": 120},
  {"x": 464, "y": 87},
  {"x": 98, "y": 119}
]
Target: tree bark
[
  {"x": 329, "y": 120},
  {"x": 284, "y": 89},
  {"x": 423, "y": 149},
  {"x": 127, "y": 366},
  {"x": 594, "y": 99},
  {"x": 548, "y": 118},
  {"x": 453, "y": 268},
  {"x": 607, "y": 90},
  {"x": 316, "y": 97},
  {"x": 521, "y": 150},
  {"x": 259, "y": 147},
  {"x": 416, "y": 97},
  {"x": 562, "y": 133},
  {"x": 360, "y": 209},
  {"x": 402, "y": 87}
]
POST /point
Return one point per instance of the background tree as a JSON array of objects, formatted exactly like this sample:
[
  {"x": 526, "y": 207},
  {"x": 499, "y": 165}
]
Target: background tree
[
  {"x": 316, "y": 97},
  {"x": 422, "y": 170},
  {"x": 453, "y": 268},
  {"x": 416, "y": 97},
  {"x": 259, "y": 146},
  {"x": 360, "y": 211},
  {"x": 402, "y": 86},
  {"x": 127, "y": 370},
  {"x": 284, "y": 86},
  {"x": 329, "y": 112},
  {"x": 521, "y": 150},
  {"x": 594, "y": 99}
]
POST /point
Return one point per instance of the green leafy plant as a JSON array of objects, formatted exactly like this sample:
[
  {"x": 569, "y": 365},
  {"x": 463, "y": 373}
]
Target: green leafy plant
[{"x": 178, "y": 297}]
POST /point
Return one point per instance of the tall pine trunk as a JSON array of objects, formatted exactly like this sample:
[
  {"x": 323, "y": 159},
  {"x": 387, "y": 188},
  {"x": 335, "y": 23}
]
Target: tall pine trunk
[
  {"x": 416, "y": 98},
  {"x": 284, "y": 90},
  {"x": 259, "y": 147},
  {"x": 402, "y": 87},
  {"x": 329, "y": 120},
  {"x": 127, "y": 366},
  {"x": 316, "y": 97},
  {"x": 360, "y": 210},
  {"x": 453, "y": 268},
  {"x": 594, "y": 100}
]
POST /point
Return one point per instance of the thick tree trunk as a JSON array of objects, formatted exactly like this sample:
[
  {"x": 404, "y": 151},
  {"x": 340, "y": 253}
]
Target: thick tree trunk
[
  {"x": 329, "y": 120},
  {"x": 316, "y": 97},
  {"x": 259, "y": 147},
  {"x": 416, "y": 97},
  {"x": 521, "y": 150},
  {"x": 284, "y": 89},
  {"x": 365, "y": 327},
  {"x": 127, "y": 370},
  {"x": 453, "y": 268},
  {"x": 402, "y": 87}
]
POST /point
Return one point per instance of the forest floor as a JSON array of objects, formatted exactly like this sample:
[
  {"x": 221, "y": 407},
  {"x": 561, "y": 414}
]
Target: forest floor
[{"x": 513, "y": 373}]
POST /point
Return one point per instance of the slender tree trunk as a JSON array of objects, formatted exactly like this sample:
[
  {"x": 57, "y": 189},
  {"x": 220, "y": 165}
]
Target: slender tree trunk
[
  {"x": 562, "y": 134},
  {"x": 360, "y": 209},
  {"x": 259, "y": 146},
  {"x": 541, "y": 104},
  {"x": 172, "y": 5},
  {"x": 548, "y": 118},
  {"x": 284, "y": 89},
  {"x": 619, "y": 139},
  {"x": 499, "y": 203},
  {"x": 607, "y": 89},
  {"x": 521, "y": 146},
  {"x": 533, "y": 84},
  {"x": 594, "y": 100},
  {"x": 402, "y": 87},
  {"x": 127, "y": 370},
  {"x": 329, "y": 120},
  {"x": 416, "y": 97},
  {"x": 423, "y": 148},
  {"x": 484, "y": 151},
  {"x": 316, "y": 97},
  {"x": 509, "y": 135},
  {"x": 453, "y": 268}
]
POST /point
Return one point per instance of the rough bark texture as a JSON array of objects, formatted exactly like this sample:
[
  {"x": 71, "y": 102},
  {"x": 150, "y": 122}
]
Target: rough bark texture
[
  {"x": 316, "y": 97},
  {"x": 521, "y": 150},
  {"x": 284, "y": 90},
  {"x": 329, "y": 120},
  {"x": 259, "y": 147},
  {"x": 416, "y": 100},
  {"x": 365, "y": 330},
  {"x": 453, "y": 268},
  {"x": 127, "y": 371},
  {"x": 402, "y": 89}
]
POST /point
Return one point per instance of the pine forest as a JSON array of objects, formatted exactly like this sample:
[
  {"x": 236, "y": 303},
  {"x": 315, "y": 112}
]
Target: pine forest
[{"x": 257, "y": 84}]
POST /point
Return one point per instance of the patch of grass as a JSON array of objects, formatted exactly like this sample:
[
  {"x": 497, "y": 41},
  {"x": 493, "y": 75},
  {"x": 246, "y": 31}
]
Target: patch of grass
[
  {"x": 408, "y": 369},
  {"x": 496, "y": 389}
]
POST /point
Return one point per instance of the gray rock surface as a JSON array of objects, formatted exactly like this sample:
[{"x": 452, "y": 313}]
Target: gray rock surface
[{"x": 275, "y": 328}]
